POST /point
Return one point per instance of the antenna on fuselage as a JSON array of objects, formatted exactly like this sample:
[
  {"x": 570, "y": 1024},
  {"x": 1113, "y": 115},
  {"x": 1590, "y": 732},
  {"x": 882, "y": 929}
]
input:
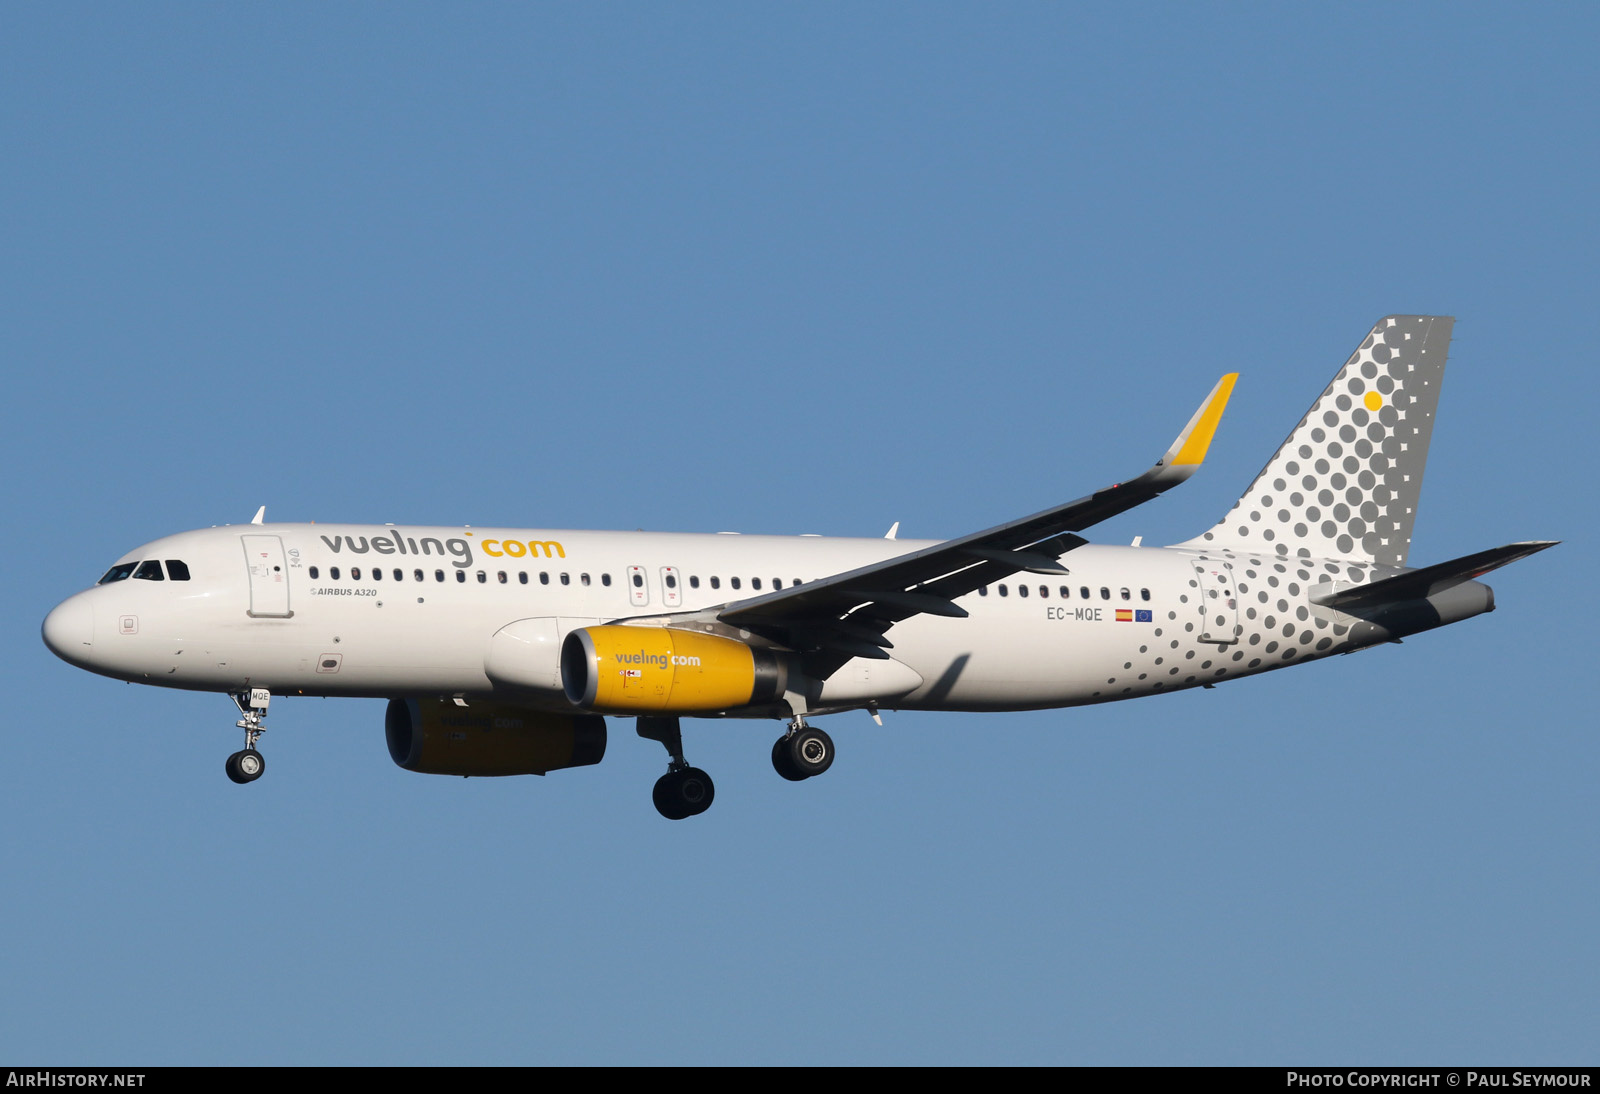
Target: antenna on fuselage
[
  {"x": 893, "y": 530},
  {"x": 260, "y": 517}
]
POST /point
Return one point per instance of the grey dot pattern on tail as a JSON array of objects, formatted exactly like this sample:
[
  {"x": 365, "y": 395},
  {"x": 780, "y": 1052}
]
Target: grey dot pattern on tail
[{"x": 1346, "y": 482}]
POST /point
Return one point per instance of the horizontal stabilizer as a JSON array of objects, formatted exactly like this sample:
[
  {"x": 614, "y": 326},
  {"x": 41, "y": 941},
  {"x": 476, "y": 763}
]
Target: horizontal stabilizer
[{"x": 1429, "y": 580}]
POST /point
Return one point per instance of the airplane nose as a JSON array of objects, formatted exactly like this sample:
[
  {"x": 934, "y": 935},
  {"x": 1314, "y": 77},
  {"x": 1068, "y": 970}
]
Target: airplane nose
[{"x": 69, "y": 630}]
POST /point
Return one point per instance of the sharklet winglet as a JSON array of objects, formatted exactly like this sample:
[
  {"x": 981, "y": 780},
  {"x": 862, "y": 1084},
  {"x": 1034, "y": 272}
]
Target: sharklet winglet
[
  {"x": 1192, "y": 444},
  {"x": 1188, "y": 450}
]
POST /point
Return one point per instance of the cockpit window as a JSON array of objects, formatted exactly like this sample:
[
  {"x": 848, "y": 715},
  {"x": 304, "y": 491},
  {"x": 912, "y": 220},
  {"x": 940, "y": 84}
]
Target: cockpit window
[
  {"x": 119, "y": 572},
  {"x": 179, "y": 571},
  {"x": 149, "y": 570}
]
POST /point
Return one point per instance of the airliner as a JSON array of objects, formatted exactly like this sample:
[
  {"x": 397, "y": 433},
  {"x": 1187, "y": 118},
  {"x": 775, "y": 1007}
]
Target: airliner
[{"x": 501, "y": 651}]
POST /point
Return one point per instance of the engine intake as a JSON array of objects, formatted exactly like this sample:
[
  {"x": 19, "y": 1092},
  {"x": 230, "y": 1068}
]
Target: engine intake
[
  {"x": 648, "y": 670},
  {"x": 436, "y": 737}
]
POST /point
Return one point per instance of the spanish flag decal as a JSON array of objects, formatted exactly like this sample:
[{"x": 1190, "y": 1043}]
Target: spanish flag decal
[{"x": 1124, "y": 615}]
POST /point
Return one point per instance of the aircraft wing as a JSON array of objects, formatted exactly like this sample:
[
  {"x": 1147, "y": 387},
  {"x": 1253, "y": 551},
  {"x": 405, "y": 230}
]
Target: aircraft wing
[{"x": 845, "y": 615}]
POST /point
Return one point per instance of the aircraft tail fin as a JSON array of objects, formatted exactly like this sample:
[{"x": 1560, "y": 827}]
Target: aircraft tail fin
[{"x": 1345, "y": 483}]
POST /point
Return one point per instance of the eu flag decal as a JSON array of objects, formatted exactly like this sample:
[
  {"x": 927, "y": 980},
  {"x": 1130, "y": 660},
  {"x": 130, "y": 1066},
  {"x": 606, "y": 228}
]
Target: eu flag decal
[{"x": 1142, "y": 616}]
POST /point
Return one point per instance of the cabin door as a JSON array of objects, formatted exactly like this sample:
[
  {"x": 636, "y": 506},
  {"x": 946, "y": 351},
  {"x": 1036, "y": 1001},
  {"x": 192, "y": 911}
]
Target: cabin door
[
  {"x": 1219, "y": 601},
  {"x": 269, "y": 577}
]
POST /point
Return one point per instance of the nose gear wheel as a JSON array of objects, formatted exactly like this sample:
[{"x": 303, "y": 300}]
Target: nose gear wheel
[{"x": 245, "y": 766}]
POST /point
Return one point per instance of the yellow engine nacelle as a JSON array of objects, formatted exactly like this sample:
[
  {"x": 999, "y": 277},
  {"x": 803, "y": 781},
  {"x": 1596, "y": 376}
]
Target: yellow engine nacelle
[
  {"x": 650, "y": 670},
  {"x": 437, "y": 737}
]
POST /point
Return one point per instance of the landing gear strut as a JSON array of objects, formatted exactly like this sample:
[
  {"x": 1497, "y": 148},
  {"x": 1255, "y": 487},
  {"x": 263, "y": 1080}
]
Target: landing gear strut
[
  {"x": 248, "y": 765},
  {"x": 683, "y": 791},
  {"x": 802, "y": 752}
]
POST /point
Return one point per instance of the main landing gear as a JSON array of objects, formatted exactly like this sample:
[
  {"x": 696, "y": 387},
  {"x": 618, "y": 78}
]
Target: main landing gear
[
  {"x": 802, "y": 752},
  {"x": 686, "y": 791},
  {"x": 683, "y": 791},
  {"x": 248, "y": 765}
]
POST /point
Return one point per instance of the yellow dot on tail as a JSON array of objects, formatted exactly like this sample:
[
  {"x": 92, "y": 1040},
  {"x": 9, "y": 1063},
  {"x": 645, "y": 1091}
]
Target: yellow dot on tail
[{"x": 1373, "y": 400}]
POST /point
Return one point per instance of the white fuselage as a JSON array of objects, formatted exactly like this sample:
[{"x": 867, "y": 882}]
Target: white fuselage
[{"x": 383, "y": 611}]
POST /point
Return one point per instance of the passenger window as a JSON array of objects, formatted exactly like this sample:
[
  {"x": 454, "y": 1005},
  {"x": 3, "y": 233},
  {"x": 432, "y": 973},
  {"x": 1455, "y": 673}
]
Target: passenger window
[
  {"x": 694, "y": 582},
  {"x": 672, "y": 582},
  {"x": 1144, "y": 594},
  {"x": 333, "y": 573},
  {"x": 638, "y": 581},
  {"x": 522, "y": 577},
  {"x": 120, "y": 572},
  {"x": 399, "y": 574},
  {"x": 716, "y": 583},
  {"x": 1105, "y": 593},
  {"x": 583, "y": 578},
  {"x": 179, "y": 571},
  {"x": 149, "y": 571},
  {"x": 544, "y": 578},
  {"x": 755, "y": 583},
  {"x": 1022, "y": 590},
  {"x": 1126, "y": 595},
  {"x": 1004, "y": 591},
  {"x": 377, "y": 573},
  {"x": 983, "y": 590},
  {"x": 419, "y": 575},
  {"x": 355, "y": 573},
  {"x": 1066, "y": 592},
  {"x": 501, "y": 574},
  {"x": 1044, "y": 590},
  {"x": 1083, "y": 591},
  {"x": 566, "y": 580},
  {"x": 483, "y": 578},
  {"x": 734, "y": 582},
  {"x": 461, "y": 577},
  {"x": 438, "y": 575},
  {"x": 605, "y": 579},
  {"x": 176, "y": 578}
]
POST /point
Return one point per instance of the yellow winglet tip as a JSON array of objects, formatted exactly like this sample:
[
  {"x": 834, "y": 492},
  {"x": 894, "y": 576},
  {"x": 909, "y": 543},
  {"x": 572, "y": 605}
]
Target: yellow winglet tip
[{"x": 1204, "y": 426}]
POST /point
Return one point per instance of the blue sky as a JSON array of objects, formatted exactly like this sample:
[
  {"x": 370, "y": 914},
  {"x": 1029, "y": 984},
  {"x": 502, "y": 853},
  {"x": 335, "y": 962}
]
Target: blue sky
[{"x": 807, "y": 268}]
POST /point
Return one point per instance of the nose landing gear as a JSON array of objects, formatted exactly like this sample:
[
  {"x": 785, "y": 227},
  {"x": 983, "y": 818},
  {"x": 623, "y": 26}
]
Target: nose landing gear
[{"x": 248, "y": 765}]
